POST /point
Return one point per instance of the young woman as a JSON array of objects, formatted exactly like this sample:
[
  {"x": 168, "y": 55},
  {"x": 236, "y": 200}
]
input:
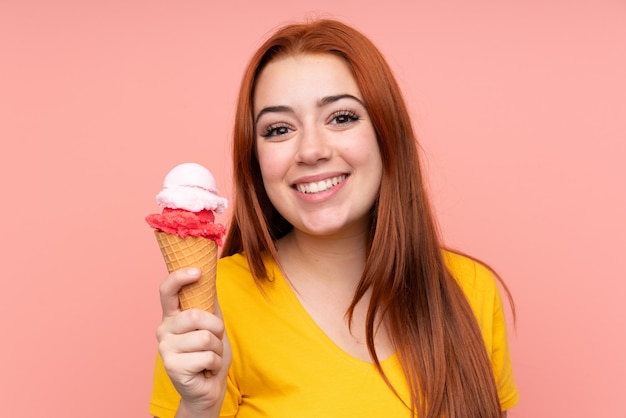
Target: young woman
[{"x": 336, "y": 295}]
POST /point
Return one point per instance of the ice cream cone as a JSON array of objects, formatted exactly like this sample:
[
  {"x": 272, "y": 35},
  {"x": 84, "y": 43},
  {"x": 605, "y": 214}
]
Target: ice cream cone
[{"x": 192, "y": 252}]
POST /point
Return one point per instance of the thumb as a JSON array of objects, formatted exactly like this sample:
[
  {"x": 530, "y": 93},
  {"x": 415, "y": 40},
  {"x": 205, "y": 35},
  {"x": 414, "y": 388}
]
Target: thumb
[{"x": 171, "y": 286}]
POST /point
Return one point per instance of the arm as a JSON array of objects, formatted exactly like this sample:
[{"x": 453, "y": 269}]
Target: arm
[{"x": 194, "y": 349}]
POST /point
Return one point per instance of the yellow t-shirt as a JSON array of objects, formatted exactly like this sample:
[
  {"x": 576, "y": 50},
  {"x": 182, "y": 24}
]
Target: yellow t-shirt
[{"x": 285, "y": 366}]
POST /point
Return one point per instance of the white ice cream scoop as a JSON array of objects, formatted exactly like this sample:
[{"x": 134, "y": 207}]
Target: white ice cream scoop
[{"x": 192, "y": 187}]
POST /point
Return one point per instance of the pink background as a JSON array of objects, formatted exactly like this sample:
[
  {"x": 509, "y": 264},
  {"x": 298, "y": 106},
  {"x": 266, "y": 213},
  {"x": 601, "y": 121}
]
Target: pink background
[{"x": 521, "y": 111}]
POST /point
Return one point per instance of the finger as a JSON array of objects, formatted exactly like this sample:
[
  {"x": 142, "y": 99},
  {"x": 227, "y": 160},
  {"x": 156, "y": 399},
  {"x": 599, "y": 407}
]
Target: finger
[
  {"x": 195, "y": 319},
  {"x": 171, "y": 286},
  {"x": 200, "y": 340},
  {"x": 187, "y": 322},
  {"x": 193, "y": 363}
]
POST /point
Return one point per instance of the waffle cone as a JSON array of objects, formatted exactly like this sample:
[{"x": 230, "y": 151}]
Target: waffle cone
[{"x": 192, "y": 252}]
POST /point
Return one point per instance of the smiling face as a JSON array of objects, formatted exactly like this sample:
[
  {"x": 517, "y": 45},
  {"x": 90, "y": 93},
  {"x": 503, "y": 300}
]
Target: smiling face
[{"x": 316, "y": 145}]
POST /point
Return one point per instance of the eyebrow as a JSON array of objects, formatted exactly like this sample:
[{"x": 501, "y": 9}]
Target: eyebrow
[
  {"x": 322, "y": 102},
  {"x": 331, "y": 99}
]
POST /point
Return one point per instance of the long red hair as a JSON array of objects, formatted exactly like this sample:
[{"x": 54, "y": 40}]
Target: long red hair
[{"x": 430, "y": 322}]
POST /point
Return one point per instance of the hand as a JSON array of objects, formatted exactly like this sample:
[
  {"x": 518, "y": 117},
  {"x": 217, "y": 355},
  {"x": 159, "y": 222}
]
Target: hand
[{"x": 190, "y": 343}]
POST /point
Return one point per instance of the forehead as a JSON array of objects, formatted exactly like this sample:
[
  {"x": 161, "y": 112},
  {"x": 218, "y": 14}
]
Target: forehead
[{"x": 304, "y": 75}]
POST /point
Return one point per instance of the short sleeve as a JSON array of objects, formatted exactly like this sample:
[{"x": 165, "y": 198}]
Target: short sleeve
[
  {"x": 501, "y": 358},
  {"x": 483, "y": 294}
]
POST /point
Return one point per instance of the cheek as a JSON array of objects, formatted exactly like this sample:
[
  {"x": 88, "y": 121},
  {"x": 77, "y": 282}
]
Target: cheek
[
  {"x": 272, "y": 165},
  {"x": 272, "y": 174},
  {"x": 373, "y": 161},
  {"x": 264, "y": 157},
  {"x": 364, "y": 155}
]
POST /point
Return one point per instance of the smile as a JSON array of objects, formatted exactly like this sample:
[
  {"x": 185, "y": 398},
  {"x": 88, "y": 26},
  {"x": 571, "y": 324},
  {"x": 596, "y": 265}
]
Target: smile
[{"x": 320, "y": 186}]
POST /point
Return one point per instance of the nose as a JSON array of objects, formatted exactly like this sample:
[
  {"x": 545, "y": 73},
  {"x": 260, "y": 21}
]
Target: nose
[{"x": 313, "y": 147}]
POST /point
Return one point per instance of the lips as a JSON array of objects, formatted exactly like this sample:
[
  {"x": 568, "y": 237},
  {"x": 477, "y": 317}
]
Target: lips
[{"x": 320, "y": 186}]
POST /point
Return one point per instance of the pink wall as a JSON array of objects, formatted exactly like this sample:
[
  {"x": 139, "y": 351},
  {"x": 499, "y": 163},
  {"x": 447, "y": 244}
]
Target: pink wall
[{"x": 521, "y": 110}]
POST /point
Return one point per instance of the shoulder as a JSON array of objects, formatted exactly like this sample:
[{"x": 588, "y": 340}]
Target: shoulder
[
  {"x": 236, "y": 268},
  {"x": 477, "y": 283},
  {"x": 233, "y": 272},
  {"x": 235, "y": 282},
  {"x": 472, "y": 275},
  {"x": 233, "y": 262}
]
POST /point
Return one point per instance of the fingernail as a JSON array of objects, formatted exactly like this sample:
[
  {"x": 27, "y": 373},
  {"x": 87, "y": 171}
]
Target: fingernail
[{"x": 193, "y": 271}]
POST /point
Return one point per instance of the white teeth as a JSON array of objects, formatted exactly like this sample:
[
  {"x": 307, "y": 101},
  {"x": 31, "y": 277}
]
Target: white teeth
[{"x": 320, "y": 186}]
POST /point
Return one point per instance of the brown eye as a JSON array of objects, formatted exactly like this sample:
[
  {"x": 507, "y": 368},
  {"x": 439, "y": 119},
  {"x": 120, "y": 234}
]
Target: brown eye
[
  {"x": 343, "y": 117},
  {"x": 275, "y": 131}
]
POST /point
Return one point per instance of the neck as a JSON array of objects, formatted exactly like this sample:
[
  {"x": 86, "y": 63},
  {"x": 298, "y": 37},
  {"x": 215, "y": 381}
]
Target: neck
[{"x": 335, "y": 261}]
